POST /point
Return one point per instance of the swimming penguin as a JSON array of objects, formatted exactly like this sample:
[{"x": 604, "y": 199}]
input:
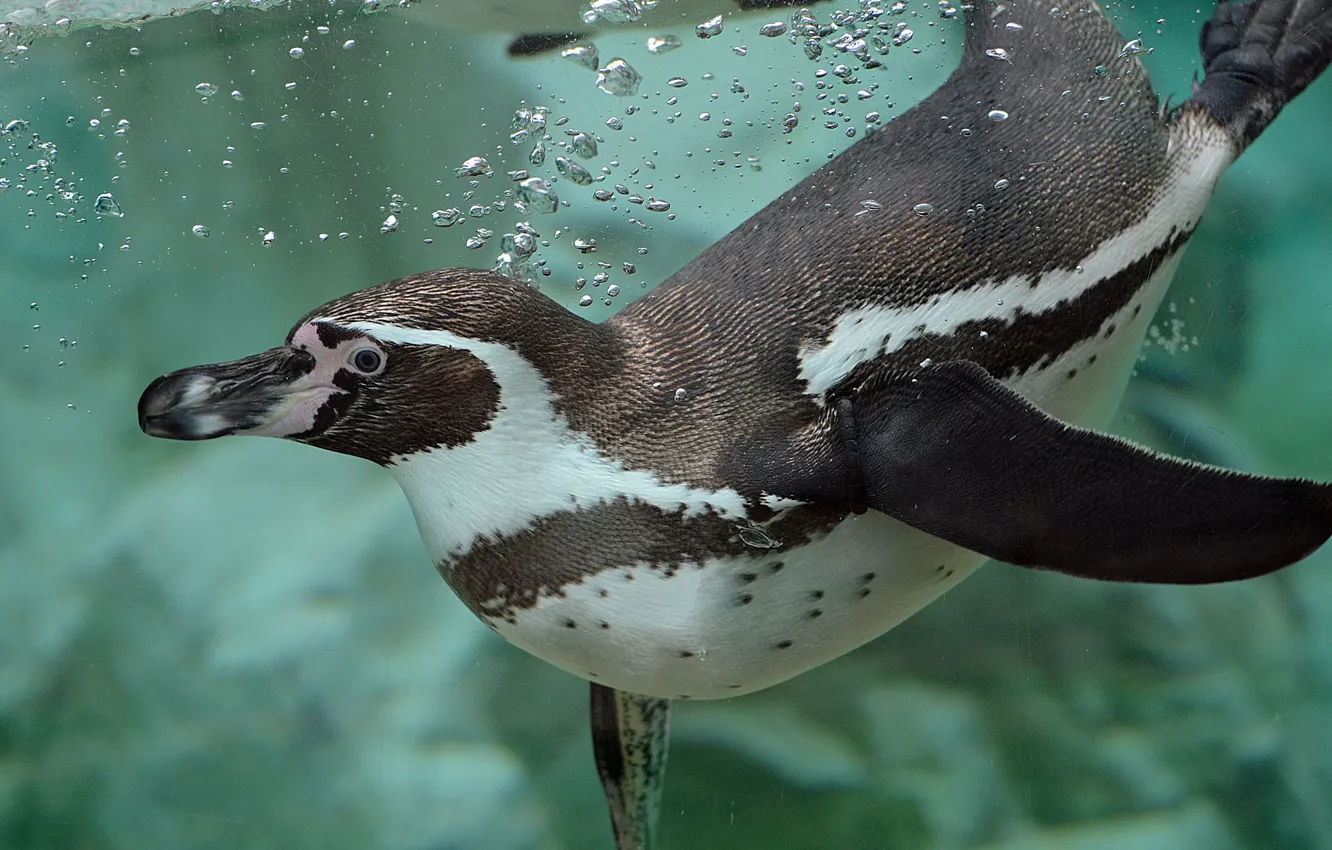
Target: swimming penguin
[{"x": 828, "y": 418}]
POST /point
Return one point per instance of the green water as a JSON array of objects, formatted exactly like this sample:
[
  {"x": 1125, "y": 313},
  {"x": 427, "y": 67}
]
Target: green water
[{"x": 242, "y": 644}]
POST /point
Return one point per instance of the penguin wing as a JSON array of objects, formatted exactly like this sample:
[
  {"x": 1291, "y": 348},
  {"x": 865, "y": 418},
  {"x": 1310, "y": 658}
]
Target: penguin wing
[{"x": 953, "y": 452}]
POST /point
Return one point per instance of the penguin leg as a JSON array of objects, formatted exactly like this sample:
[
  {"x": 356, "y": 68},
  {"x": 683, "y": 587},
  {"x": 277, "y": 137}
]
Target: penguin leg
[
  {"x": 955, "y": 453},
  {"x": 630, "y": 738}
]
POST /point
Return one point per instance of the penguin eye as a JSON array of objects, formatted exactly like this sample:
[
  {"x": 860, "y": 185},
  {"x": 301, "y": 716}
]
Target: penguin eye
[{"x": 367, "y": 360}]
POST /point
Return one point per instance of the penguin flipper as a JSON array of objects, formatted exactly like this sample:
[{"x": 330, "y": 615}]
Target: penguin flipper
[
  {"x": 955, "y": 453},
  {"x": 630, "y": 739},
  {"x": 537, "y": 43},
  {"x": 1257, "y": 56}
]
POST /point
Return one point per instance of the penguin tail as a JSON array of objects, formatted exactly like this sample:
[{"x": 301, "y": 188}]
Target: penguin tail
[{"x": 1257, "y": 56}]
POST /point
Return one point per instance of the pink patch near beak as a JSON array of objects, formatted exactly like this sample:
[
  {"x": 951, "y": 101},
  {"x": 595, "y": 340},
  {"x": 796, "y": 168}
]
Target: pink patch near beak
[{"x": 309, "y": 393}]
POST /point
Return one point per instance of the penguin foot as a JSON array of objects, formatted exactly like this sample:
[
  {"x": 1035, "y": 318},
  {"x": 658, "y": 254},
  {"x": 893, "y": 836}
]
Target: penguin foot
[
  {"x": 1259, "y": 55},
  {"x": 630, "y": 739}
]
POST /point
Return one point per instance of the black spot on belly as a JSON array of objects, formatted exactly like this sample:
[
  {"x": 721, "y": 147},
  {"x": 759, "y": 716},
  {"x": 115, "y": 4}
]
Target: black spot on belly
[
  {"x": 777, "y": 567},
  {"x": 816, "y": 613},
  {"x": 735, "y": 687},
  {"x": 570, "y": 624},
  {"x": 1071, "y": 374},
  {"x": 684, "y": 653},
  {"x": 603, "y": 593},
  {"x": 1091, "y": 360},
  {"x": 816, "y": 595},
  {"x": 1136, "y": 310},
  {"x": 749, "y": 578},
  {"x": 744, "y": 599},
  {"x": 863, "y": 592},
  {"x": 1109, "y": 331},
  {"x": 605, "y": 626},
  {"x": 785, "y": 644},
  {"x": 867, "y": 577}
]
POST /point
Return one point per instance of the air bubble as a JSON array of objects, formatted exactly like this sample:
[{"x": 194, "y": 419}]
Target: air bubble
[
  {"x": 537, "y": 194},
  {"x": 572, "y": 170},
  {"x": 618, "y": 78},
  {"x": 615, "y": 11},
  {"x": 662, "y": 43},
  {"x": 106, "y": 205},
  {"x": 446, "y": 218},
  {"x": 1130, "y": 48},
  {"x": 582, "y": 54},
  {"x": 584, "y": 145},
  {"x": 475, "y": 166},
  {"x": 711, "y": 27}
]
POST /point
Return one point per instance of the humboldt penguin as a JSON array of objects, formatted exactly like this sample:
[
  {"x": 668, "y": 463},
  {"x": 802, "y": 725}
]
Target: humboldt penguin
[{"x": 888, "y": 375}]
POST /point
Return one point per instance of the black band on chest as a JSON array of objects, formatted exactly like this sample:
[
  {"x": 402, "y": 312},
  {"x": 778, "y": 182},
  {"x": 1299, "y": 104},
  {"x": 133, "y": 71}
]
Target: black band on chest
[{"x": 855, "y": 472}]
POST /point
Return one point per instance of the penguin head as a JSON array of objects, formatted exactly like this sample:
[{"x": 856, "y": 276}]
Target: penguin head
[{"x": 382, "y": 373}]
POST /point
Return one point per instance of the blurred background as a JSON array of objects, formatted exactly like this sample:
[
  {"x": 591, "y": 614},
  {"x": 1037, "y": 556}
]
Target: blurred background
[{"x": 243, "y": 644}]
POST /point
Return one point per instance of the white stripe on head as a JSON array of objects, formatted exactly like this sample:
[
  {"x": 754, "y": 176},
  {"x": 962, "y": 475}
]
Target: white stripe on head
[{"x": 528, "y": 464}]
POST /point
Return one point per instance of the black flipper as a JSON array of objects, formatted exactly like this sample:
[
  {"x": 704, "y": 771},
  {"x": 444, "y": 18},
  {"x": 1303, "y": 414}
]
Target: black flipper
[
  {"x": 1259, "y": 55},
  {"x": 630, "y": 737},
  {"x": 953, "y": 452}
]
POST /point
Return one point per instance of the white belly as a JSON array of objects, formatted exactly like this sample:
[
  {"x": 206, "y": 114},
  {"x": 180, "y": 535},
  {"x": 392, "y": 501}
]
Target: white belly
[{"x": 731, "y": 627}]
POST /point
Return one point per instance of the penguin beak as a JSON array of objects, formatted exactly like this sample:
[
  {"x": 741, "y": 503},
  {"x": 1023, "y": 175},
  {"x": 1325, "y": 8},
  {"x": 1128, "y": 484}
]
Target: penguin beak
[{"x": 242, "y": 396}]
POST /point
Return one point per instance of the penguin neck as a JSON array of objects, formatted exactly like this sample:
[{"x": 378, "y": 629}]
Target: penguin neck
[{"x": 532, "y": 459}]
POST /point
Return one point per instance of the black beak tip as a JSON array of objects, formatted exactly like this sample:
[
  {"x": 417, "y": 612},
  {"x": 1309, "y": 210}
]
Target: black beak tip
[{"x": 149, "y": 403}]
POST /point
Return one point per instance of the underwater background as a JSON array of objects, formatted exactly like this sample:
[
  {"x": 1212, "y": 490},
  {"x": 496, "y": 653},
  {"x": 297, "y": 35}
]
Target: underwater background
[{"x": 243, "y": 644}]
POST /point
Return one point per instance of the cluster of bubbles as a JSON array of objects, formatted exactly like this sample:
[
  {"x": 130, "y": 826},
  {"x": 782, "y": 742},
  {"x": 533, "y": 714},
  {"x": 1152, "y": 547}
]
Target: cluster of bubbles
[
  {"x": 555, "y": 154},
  {"x": 35, "y": 177},
  {"x": 861, "y": 35}
]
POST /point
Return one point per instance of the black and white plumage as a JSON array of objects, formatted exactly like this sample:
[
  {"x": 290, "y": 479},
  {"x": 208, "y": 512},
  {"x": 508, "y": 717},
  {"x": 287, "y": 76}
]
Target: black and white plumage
[{"x": 827, "y": 419}]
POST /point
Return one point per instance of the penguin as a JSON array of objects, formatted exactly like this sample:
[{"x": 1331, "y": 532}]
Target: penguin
[{"x": 894, "y": 372}]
